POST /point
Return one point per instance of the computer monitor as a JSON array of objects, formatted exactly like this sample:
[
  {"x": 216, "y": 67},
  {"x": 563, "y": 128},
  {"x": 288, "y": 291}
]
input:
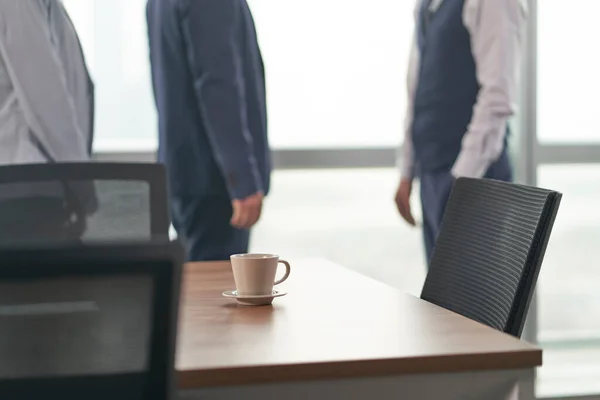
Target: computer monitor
[{"x": 89, "y": 322}]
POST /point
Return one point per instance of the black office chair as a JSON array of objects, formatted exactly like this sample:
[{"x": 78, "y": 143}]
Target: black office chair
[
  {"x": 489, "y": 252},
  {"x": 82, "y": 202},
  {"x": 94, "y": 322}
]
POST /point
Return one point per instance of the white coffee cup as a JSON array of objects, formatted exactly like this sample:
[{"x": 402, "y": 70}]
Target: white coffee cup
[{"x": 254, "y": 274}]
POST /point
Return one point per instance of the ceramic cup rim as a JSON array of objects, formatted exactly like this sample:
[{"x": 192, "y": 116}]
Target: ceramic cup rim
[{"x": 254, "y": 256}]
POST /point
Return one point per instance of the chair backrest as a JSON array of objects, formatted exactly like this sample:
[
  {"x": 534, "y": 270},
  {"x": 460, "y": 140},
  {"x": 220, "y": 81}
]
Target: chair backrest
[
  {"x": 89, "y": 322},
  {"x": 83, "y": 201},
  {"x": 489, "y": 251}
]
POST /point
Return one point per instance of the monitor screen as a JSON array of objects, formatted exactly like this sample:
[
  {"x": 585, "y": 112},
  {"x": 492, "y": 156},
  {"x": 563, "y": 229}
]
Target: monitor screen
[{"x": 69, "y": 326}]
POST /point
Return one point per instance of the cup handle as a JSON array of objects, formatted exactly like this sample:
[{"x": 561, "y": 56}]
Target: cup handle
[{"x": 287, "y": 272}]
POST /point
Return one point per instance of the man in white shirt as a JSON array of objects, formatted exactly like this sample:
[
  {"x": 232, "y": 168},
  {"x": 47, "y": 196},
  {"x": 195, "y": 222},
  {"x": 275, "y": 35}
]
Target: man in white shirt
[
  {"x": 462, "y": 89},
  {"x": 46, "y": 116}
]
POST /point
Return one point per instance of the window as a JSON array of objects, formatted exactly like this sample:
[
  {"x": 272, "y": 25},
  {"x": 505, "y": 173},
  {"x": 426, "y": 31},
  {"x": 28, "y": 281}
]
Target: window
[
  {"x": 569, "y": 300},
  {"x": 336, "y": 71},
  {"x": 113, "y": 36},
  {"x": 568, "y": 78}
]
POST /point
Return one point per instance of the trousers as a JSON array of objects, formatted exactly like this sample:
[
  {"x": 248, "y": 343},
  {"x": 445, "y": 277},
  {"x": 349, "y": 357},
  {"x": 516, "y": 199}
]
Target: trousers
[
  {"x": 202, "y": 225},
  {"x": 435, "y": 192}
]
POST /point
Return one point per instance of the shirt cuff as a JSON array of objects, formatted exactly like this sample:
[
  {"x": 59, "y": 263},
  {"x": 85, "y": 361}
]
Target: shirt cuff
[
  {"x": 244, "y": 189},
  {"x": 243, "y": 183},
  {"x": 407, "y": 170},
  {"x": 405, "y": 163},
  {"x": 470, "y": 164}
]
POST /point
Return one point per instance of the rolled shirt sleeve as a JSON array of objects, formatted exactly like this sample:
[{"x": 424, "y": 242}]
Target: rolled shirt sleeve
[
  {"x": 406, "y": 150},
  {"x": 497, "y": 31},
  {"x": 211, "y": 29},
  {"x": 406, "y": 156}
]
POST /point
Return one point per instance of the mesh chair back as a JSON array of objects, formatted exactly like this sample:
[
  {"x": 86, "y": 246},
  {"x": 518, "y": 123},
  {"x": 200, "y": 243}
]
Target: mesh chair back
[
  {"x": 82, "y": 202},
  {"x": 89, "y": 323},
  {"x": 489, "y": 252}
]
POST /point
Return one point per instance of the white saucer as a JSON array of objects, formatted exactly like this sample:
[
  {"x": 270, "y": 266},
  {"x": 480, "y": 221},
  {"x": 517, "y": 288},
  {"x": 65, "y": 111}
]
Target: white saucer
[{"x": 257, "y": 300}]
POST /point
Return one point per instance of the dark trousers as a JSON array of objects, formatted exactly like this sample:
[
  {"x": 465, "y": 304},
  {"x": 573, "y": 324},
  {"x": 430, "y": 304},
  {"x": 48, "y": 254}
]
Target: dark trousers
[
  {"x": 35, "y": 220},
  {"x": 203, "y": 226},
  {"x": 435, "y": 191}
]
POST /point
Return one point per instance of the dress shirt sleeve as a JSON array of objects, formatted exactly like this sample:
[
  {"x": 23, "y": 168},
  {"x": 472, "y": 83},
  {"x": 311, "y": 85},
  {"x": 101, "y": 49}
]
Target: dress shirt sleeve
[
  {"x": 39, "y": 81},
  {"x": 497, "y": 31},
  {"x": 211, "y": 31},
  {"x": 406, "y": 156}
]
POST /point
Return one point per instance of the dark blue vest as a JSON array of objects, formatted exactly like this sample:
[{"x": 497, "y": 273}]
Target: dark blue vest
[{"x": 447, "y": 87}]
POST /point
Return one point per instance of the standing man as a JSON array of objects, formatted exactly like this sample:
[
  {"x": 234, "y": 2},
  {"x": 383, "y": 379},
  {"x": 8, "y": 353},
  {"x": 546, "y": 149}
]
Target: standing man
[
  {"x": 209, "y": 86},
  {"x": 46, "y": 116},
  {"x": 462, "y": 87}
]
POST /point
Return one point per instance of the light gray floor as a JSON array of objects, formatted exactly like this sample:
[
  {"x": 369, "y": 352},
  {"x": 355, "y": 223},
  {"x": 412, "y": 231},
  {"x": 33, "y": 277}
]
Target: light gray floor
[{"x": 348, "y": 216}]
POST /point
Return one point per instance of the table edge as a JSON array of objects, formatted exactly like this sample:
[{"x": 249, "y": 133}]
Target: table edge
[{"x": 262, "y": 374}]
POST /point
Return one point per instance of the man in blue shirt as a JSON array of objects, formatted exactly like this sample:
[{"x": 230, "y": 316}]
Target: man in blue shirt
[{"x": 209, "y": 87}]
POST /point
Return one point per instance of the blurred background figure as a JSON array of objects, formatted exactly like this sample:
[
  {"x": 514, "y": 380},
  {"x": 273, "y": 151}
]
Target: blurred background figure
[
  {"x": 209, "y": 87},
  {"x": 462, "y": 84},
  {"x": 46, "y": 116}
]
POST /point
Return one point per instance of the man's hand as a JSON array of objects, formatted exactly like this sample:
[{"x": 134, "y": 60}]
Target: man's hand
[
  {"x": 403, "y": 201},
  {"x": 246, "y": 212}
]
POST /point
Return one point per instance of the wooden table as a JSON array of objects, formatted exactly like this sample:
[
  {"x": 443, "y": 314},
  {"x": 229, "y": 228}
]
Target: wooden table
[{"x": 339, "y": 335}]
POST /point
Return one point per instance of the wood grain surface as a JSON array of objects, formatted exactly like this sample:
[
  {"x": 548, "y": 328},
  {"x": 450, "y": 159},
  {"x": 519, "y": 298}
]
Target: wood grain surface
[{"x": 334, "y": 323}]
